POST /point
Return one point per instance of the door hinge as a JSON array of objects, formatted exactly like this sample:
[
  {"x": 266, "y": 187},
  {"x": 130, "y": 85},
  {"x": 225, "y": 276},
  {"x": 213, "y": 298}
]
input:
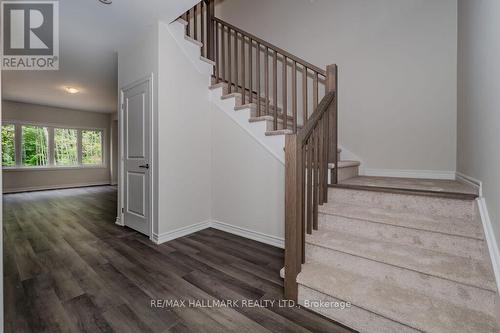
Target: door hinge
[{"x": 123, "y": 210}]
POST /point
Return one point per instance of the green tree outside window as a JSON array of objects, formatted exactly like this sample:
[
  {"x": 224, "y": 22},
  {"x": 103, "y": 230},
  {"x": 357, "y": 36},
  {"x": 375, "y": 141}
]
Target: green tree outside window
[
  {"x": 66, "y": 151},
  {"x": 8, "y": 145},
  {"x": 92, "y": 147},
  {"x": 35, "y": 146}
]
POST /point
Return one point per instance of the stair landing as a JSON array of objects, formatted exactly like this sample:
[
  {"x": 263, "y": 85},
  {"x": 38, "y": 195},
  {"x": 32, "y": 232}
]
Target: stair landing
[{"x": 452, "y": 187}]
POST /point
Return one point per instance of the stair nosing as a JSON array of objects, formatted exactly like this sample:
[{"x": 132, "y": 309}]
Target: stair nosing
[
  {"x": 408, "y": 191},
  {"x": 194, "y": 41}
]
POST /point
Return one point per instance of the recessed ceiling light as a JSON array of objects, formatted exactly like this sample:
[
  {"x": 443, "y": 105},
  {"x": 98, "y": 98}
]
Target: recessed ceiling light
[{"x": 72, "y": 90}]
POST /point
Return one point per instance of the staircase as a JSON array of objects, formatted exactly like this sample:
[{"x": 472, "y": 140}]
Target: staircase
[
  {"x": 406, "y": 263},
  {"x": 379, "y": 260}
]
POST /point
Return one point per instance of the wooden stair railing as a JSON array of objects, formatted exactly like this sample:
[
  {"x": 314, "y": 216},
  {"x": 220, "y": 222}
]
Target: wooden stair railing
[
  {"x": 259, "y": 72},
  {"x": 307, "y": 154}
]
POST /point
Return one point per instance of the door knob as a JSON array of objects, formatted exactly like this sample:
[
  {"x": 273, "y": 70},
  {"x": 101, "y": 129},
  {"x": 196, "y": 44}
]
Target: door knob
[{"x": 145, "y": 166}]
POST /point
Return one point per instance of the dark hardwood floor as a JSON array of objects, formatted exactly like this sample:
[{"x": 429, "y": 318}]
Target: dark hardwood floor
[{"x": 69, "y": 268}]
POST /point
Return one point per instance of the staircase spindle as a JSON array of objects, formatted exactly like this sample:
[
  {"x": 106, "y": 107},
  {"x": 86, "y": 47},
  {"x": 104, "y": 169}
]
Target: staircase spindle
[
  {"x": 236, "y": 64},
  {"x": 195, "y": 17},
  {"x": 320, "y": 162},
  {"x": 304, "y": 94},
  {"x": 257, "y": 64},
  {"x": 284, "y": 88},
  {"x": 309, "y": 148},
  {"x": 223, "y": 53},
  {"x": 275, "y": 90},
  {"x": 266, "y": 79},
  {"x": 217, "y": 66},
  {"x": 250, "y": 70},
  {"x": 294, "y": 96},
  {"x": 243, "y": 68},
  {"x": 202, "y": 14},
  {"x": 303, "y": 176},
  {"x": 229, "y": 56},
  {"x": 315, "y": 179},
  {"x": 315, "y": 91}
]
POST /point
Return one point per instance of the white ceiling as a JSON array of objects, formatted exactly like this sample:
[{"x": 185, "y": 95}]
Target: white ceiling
[{"x": 90, "y": 35}]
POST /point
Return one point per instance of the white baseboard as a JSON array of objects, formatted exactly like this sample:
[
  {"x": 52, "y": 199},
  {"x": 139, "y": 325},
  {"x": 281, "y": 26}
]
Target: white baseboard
[
  {"x": 402, "y": 173},
  {"x": 490, "y": 239},
  {"x": 470, "y": 181},
  {"x": 250, "y": 234},
  {"x": 118, "y": 221},
  {"x": 52, "y": 187},
  {"x": 246, "y": 233},
  {"x": 180, "y": 232}
]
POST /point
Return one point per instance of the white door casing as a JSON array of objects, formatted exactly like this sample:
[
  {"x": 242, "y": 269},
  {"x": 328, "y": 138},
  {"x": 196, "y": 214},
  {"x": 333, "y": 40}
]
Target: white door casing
[{"x": 136, "y": 180}]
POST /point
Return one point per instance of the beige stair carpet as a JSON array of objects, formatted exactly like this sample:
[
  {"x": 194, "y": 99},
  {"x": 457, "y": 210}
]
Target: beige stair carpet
[{"x": 404, "y": 262}]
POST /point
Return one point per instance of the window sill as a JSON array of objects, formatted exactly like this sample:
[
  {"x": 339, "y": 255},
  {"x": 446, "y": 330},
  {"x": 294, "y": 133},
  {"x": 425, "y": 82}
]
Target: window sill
[{"x": 53, "y": 168}]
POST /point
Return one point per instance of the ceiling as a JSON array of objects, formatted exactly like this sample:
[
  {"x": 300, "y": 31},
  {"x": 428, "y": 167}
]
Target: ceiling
[{"x": 90, "y": 35}]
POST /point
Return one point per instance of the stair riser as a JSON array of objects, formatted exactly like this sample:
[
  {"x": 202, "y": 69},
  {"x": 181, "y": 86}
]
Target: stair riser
[
  {"x": 401, "y": 202},
  {"x": 445, "y": 225},
  {"x": 475, "y": 299},
  {"x": 349, "y": 172},
  {"x": 455, "y": 245},
  {"x": 354, "y": 317}
]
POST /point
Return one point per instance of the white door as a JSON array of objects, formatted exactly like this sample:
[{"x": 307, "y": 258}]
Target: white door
[{"x": 136, "y": 135}]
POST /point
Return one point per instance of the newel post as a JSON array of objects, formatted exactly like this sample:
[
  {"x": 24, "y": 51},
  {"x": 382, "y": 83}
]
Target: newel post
[
  {"x": 331, "y": 85},
  {"x": 293, "y": 215},
  {"x": 210, "y": 29}
]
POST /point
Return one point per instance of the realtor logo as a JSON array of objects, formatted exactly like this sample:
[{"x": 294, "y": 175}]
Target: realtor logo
[{"x": 30, "y": 35}]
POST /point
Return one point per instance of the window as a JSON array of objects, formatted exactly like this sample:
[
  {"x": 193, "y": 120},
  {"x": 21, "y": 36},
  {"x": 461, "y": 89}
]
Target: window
[
  {"x": 8, "y": 145},
  {"x": 66, "y": 151},
  {"x": 91, "y": 147},
  {"x": 47, "y": 146},
  {"x": 35, "y": 148}
]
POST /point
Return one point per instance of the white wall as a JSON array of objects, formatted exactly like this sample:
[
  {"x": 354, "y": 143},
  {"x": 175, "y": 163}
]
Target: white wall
[
  {"x": 15, "y": 180},
  {"x": 397, "y": 70},
  {"x": 183, "y": 139},
  {"x": 478, "y": 101},
  {"x": 114, "y": 151},
  {"x": 247, "y": 180}
]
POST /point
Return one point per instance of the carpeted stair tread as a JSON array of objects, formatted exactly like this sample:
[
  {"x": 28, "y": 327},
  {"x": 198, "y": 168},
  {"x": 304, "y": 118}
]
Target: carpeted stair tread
[
  {"x": 408, "y": 203},
  {"x": 403, "y": 305},
  {"x": 467, "y": 227},
  {"x": 468, "y": 271},
  {"x": 430, "y": 240},
  {"x": 450, "y": 291}
]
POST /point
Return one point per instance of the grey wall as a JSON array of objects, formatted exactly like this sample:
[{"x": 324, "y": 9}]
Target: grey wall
[
  {"x": 478, "y": 103},
  {"x": 397, "y": 70},
  {"x": 15, "y": 180}
]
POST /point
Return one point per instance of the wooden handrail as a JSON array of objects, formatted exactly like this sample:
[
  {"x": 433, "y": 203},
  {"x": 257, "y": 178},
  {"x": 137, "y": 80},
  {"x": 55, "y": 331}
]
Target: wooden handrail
[
  {"x": 304, "y": 134},
  {"x": 273, "y": 47}
]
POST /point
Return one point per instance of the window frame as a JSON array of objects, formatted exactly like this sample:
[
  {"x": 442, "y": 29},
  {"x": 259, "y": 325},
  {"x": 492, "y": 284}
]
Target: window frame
[{"x": 51, "y": 165}]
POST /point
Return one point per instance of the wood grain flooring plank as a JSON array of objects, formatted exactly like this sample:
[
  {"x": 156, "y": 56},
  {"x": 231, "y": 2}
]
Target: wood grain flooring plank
[{"x": 70, "y": 268}]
